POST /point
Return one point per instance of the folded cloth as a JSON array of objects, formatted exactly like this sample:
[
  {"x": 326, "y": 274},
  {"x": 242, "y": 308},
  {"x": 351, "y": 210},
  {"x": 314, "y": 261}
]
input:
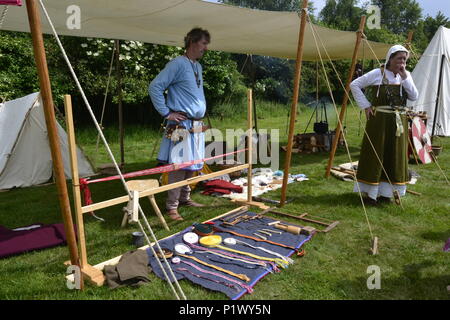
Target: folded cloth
[
  {"x": 220, "y": 186},
  {"x": 132, "y": 270},
  {"x": 33, "y": 237}
]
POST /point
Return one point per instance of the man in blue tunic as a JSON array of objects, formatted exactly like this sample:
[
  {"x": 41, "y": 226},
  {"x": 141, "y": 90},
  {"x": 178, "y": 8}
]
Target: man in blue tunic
[{"x": 185, "y": 106}]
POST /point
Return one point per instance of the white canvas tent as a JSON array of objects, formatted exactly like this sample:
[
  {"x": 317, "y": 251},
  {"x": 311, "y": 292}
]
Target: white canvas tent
[
  {"x": 25, "y": 158},
  {"x": 427, "y": 74},
  {"x": 233, "y": 29}
]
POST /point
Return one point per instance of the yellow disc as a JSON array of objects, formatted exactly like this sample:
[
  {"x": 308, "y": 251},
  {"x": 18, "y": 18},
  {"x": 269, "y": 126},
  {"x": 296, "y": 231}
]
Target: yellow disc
[{"x": 213, "y": 240}]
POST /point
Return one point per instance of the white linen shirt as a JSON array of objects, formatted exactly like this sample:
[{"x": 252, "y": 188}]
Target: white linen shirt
[{"x": 375, "y": 77}]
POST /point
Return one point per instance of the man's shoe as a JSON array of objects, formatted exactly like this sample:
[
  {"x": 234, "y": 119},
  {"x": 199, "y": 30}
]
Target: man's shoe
[
  {"x": 191, "y": 203},
  {"x": 174, "y": 215}
]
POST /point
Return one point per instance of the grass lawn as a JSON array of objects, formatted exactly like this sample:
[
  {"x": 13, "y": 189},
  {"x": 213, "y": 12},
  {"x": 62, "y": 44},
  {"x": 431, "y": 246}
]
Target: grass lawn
[{"x": 411, "y": 260}]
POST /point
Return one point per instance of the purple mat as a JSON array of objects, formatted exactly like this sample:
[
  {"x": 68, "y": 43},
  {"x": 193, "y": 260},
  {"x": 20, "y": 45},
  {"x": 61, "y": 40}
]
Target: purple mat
[{"x": 39, "y": 236}]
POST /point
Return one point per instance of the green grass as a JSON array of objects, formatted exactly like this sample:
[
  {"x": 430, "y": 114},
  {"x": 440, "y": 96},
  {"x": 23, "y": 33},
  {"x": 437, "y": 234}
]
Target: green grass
[{"x": 411, "y": 260}]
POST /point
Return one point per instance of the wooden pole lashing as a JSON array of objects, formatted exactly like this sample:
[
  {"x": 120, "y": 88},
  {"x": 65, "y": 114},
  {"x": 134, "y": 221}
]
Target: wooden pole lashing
[
  {"x": 359, "y": 35},
  {"x": 298, "y": 70},
  {"x": 47, "y": 99}
]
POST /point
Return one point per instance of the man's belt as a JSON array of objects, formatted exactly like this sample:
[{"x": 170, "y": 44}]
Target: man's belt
[{"x": 186, "y": 115}]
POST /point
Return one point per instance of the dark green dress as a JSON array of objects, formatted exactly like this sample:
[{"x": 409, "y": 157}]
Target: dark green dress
[{"x": 385, "y": 135}]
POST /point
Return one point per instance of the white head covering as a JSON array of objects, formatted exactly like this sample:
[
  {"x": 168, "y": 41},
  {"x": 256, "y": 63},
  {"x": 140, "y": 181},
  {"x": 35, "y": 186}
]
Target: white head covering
[
  {"x": 390, "y": 52},
  {"x": 395, "y": 49}
]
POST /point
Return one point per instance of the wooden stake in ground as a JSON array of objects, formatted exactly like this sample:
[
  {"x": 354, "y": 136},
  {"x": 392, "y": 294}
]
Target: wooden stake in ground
[
  {"x": 359, "y": 35},
  {"x": 298, "y": 71},
  {"x": 47, "y": 100}
]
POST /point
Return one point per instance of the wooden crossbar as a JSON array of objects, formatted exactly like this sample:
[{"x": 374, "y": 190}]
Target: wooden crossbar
[{"x": 146, "y": 193}]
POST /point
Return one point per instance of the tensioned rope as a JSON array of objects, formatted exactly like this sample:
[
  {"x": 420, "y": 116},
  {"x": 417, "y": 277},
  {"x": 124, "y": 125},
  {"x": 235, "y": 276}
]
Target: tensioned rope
[
  {"x": 89, "y": 108},
  {"x": 104, "y": 101},
  {"x": 339, "y": 120},
  {"x": 359, "y": 118}
]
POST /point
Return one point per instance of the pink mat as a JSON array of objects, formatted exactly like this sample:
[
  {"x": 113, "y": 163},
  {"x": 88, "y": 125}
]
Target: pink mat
[{"x": 13, "y": 242}]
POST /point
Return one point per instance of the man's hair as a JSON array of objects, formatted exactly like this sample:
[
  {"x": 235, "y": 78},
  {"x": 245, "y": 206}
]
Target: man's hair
[{"x": 195, "y": 35}]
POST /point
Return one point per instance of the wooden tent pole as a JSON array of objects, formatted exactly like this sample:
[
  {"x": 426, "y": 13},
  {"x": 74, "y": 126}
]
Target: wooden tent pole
[
  {"x": 298, "y": 70},
  {"x": 249, "y": 144},
  {"x": 119, "y": 96},
  {"x": 409, "y": 40},
  {"x": 359, "y": 35},
  {"x": 437, "y": 97},
  {"x": 47, "y": 99}
]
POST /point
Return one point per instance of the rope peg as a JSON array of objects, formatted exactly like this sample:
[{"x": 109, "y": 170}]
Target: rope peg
[{"x": 374, "y": 249}]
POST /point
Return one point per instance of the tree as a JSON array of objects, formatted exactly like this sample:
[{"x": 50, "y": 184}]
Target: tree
[
  {"x": 430, "y": 24},
  {"x": 341, "y": 14},
  {"x": 399, "y": 16}
]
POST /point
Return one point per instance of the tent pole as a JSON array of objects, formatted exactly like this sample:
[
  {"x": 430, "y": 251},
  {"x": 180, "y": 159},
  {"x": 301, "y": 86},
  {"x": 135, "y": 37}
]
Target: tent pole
[
  {"x": 298, "y": 70},
  {"x": 120, "y": 109},
  {"x": 359, "y": 35},
  {"x": 47, "y": 99},
  {"x": 249, "y": 144},
  {"x": 409, "y": 40},
  {"x": 437, "y": 97}
]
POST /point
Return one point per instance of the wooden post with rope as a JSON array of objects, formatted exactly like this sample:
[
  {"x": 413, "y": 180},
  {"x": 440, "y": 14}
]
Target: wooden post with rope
[
  {"x": 359, "y": 36},
  {"x": 47, "y": 100},
  {"x": 87, "y": 271},
  {"x": 298, "y": 71}
]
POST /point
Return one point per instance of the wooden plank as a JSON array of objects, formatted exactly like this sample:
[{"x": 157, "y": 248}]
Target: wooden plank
[
  {"x": 75, "y": 180},
  {"x": 260, "y": 205},
  {"x": 93, "y": 275},
  {"x": 145, "y": 193}
]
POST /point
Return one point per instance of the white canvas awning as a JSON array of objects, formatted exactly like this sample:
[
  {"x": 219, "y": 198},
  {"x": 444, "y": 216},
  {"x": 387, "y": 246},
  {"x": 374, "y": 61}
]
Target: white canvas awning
[{"x": 233, "y": 29}]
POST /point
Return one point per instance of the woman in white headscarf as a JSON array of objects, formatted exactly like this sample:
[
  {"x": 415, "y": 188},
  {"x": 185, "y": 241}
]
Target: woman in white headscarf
[{"x": 384, "y": 171}]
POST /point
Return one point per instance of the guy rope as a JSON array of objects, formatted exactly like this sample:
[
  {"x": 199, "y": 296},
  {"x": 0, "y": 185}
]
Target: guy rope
[{"x": 169, "y": 280}]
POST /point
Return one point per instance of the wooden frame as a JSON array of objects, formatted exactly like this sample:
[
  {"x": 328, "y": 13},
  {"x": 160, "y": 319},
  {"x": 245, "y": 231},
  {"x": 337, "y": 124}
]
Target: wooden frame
[{"x": 94, "y": 274}]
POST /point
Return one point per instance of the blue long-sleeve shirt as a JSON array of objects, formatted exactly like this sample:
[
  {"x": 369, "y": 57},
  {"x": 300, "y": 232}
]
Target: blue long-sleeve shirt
[
  {"x": 184, "y": 95},
  {"x": 183, "y": 92}
]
